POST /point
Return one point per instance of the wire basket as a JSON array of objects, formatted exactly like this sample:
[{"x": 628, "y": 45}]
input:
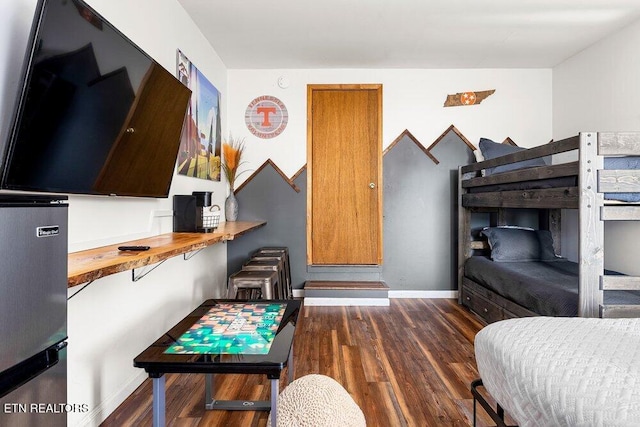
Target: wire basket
[{"x": 211, "y": 218}]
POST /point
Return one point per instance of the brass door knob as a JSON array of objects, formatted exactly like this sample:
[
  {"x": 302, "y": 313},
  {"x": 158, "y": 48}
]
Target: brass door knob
[{"x": 372, "y": 185}]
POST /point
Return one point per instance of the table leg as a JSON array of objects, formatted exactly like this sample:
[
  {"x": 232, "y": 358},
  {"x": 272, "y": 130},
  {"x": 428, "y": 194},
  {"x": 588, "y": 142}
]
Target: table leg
[
  {"x": 158, "y": 401},
  {"x": 275, "y": 389},
  {"x": 208, "y": 391},
  {"x": 290, "y": 365}
]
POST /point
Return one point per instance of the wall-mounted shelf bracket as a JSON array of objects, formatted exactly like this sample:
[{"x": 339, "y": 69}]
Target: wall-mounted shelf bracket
[
  {"x": 190, "y": 255},
  {"x": 80, "y": 290},
  {"x": 141, "y": 272}
]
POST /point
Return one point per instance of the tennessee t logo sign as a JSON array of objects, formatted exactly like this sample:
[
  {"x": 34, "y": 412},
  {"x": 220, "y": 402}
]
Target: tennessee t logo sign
[
  {"x": 265, "y": 111},
  {"x": 266, "y": 117}
]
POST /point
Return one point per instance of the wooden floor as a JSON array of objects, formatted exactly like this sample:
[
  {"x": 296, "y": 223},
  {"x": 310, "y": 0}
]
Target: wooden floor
[{"x": 409, "y": 364}]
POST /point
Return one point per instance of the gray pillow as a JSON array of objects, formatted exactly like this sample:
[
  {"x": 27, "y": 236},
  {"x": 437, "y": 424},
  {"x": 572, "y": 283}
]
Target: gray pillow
[
  {"x": 517, "y": 244},
  {"x": 491, "y": 150}
]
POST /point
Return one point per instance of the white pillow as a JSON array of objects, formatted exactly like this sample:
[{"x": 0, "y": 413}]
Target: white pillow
[{"x": 479, "y": 158}]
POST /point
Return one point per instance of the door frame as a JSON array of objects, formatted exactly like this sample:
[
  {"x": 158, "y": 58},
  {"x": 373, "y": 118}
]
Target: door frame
[{"x": 323, "y": 87}]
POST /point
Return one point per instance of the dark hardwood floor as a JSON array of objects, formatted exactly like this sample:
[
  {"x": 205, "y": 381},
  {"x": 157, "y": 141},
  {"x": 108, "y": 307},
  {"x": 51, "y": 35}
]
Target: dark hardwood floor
[{"x": 409, "y": 364}]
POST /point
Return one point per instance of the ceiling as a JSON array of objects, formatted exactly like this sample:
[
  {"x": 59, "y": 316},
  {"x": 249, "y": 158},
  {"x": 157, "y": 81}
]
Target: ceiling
[{"x": 253, "y": 34}]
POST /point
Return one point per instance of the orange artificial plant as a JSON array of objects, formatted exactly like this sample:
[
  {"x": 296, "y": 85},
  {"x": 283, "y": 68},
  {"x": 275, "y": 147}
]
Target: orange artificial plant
[{"x": 232, "y": 151}]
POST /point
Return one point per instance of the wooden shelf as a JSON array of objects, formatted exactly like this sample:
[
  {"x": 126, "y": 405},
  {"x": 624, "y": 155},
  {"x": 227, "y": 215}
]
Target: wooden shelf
[{"x": 89, "y": 265}]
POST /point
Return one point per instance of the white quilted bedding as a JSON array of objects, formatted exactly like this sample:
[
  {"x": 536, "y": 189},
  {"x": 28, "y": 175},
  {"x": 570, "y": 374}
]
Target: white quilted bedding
[{"x": 547, "y": 371}]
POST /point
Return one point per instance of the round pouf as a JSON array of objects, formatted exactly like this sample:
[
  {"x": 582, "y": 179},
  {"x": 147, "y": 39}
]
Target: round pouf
[{"x": 317, "y": 401}]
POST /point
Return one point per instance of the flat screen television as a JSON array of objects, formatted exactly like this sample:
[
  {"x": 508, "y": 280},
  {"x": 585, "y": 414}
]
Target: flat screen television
[{"x": 95, "y": 114}]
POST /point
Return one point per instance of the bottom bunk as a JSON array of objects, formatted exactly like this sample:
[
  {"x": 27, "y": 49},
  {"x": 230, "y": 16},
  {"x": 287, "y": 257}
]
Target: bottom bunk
[
  {"x": 547, "y": 371},
  {"x": 503, "y": 290}
]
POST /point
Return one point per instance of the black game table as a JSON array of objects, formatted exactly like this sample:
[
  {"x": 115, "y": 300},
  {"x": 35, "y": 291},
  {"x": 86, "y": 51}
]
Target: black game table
[{"x": 225, "y": 337}]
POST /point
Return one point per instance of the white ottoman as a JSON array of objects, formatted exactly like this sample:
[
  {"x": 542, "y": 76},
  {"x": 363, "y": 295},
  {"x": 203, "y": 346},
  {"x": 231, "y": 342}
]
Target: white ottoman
[{"x": 317, "y": 401}]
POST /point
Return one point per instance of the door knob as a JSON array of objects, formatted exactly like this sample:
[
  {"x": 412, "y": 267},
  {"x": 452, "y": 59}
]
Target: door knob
[{"x": 372, "y": 185}]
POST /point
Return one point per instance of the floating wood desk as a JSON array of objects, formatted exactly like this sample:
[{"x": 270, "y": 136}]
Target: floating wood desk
[{"x": 86, "y": 266}]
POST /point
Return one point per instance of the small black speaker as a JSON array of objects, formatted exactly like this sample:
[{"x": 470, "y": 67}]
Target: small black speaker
[{"x": 184, "y": 214}]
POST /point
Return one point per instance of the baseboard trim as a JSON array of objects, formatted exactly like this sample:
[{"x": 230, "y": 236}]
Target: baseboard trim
[
  {"x": 424, "y": 294},
  {"x": 97, "y": 415},
  {"x": 384, "y": 302},
  {"x": 299, "y": 293}
]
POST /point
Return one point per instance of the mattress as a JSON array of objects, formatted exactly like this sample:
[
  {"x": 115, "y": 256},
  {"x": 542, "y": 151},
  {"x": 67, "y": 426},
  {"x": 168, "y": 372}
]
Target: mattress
[
  {"x": 546, "y": 288},
  {"x": 567, "y": 181},
  {"x": 548, "y": 371}
]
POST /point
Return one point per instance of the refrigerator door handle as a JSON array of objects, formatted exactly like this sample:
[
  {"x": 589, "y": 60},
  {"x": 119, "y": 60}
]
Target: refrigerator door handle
[{"x": 30, "y": 368}]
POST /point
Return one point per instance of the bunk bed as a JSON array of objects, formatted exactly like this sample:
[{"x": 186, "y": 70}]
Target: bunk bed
[
  {"x": 524, "y": 180},
  {"x": 547, "y": 370}
]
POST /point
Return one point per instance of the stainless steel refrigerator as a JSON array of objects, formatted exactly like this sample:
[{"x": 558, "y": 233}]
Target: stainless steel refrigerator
[{"x": 33, "y": 310}]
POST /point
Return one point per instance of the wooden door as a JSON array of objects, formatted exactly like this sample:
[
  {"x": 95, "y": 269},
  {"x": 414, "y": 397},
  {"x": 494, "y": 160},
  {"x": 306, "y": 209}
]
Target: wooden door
[{"x": 344, "y": 174}]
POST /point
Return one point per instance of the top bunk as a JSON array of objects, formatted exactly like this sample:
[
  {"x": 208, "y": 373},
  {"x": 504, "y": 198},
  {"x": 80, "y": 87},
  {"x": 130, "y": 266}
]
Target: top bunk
[{"x": 591, "y": 169}]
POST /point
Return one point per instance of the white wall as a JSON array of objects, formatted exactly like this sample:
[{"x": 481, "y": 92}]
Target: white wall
[
  {"x": 114, "y": 319},
  {"x": 597, "y": 90},
  {"x": 412, "y": 99}
]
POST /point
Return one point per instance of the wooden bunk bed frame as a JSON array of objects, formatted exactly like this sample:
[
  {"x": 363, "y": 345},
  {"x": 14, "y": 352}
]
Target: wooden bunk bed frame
[{"x": 587, "y": 197}]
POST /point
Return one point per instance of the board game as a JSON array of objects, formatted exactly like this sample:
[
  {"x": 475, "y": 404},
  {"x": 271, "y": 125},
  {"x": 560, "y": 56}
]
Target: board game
[{"x": 232, "y": 328}]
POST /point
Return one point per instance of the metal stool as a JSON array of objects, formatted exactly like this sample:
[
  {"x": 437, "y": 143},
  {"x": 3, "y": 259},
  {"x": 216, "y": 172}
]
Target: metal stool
[
  {"x": 266, "y": 281},
  {"x": 274, "y": 257},
  {"x": 268, "y": 265},
  {"x": 284, "y": 252}
]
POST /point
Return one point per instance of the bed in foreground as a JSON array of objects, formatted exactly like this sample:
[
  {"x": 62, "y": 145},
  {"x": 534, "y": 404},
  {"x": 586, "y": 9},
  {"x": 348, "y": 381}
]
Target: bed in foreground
[{"x": 548, "y": 371}]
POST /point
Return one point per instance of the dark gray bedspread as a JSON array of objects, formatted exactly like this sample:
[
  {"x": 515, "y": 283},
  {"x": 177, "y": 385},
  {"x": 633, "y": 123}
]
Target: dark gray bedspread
[{"x": 546, "y": 288}]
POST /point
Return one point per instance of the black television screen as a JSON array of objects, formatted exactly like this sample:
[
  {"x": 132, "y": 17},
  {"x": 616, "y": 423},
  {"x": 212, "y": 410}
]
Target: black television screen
[{"x": 95, "y": 114}]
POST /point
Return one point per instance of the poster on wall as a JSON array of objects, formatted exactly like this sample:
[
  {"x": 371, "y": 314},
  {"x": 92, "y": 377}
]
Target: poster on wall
[
  {"x": 266, "y": 117},
  {"x": 201, "y": 140}
]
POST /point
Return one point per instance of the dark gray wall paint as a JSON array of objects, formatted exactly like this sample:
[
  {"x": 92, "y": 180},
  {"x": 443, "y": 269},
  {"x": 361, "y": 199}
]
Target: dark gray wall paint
[
  {"x": 420, "y": 214},
  {"x": 269, "y": 197},
  {"x": 420, "y": 220}
]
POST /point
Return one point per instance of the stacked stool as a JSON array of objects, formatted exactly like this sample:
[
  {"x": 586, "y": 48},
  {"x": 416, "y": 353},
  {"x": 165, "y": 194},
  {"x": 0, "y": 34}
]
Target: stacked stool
[
  {"x": 266, "y": 273},
  {"x": 266, "y": 282},
  {"x": 268, "y": 264},
  {"x": 282, "y": 254}
]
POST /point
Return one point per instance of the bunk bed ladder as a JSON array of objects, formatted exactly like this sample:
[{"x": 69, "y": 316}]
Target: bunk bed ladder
[
  {"x": 619, "y": 181},
  {"x": 591, "y": 228}
]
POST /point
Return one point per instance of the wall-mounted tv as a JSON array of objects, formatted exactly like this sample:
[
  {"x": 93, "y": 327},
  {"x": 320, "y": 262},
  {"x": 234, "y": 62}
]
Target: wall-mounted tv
[{"x": 95, "y": 114}]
